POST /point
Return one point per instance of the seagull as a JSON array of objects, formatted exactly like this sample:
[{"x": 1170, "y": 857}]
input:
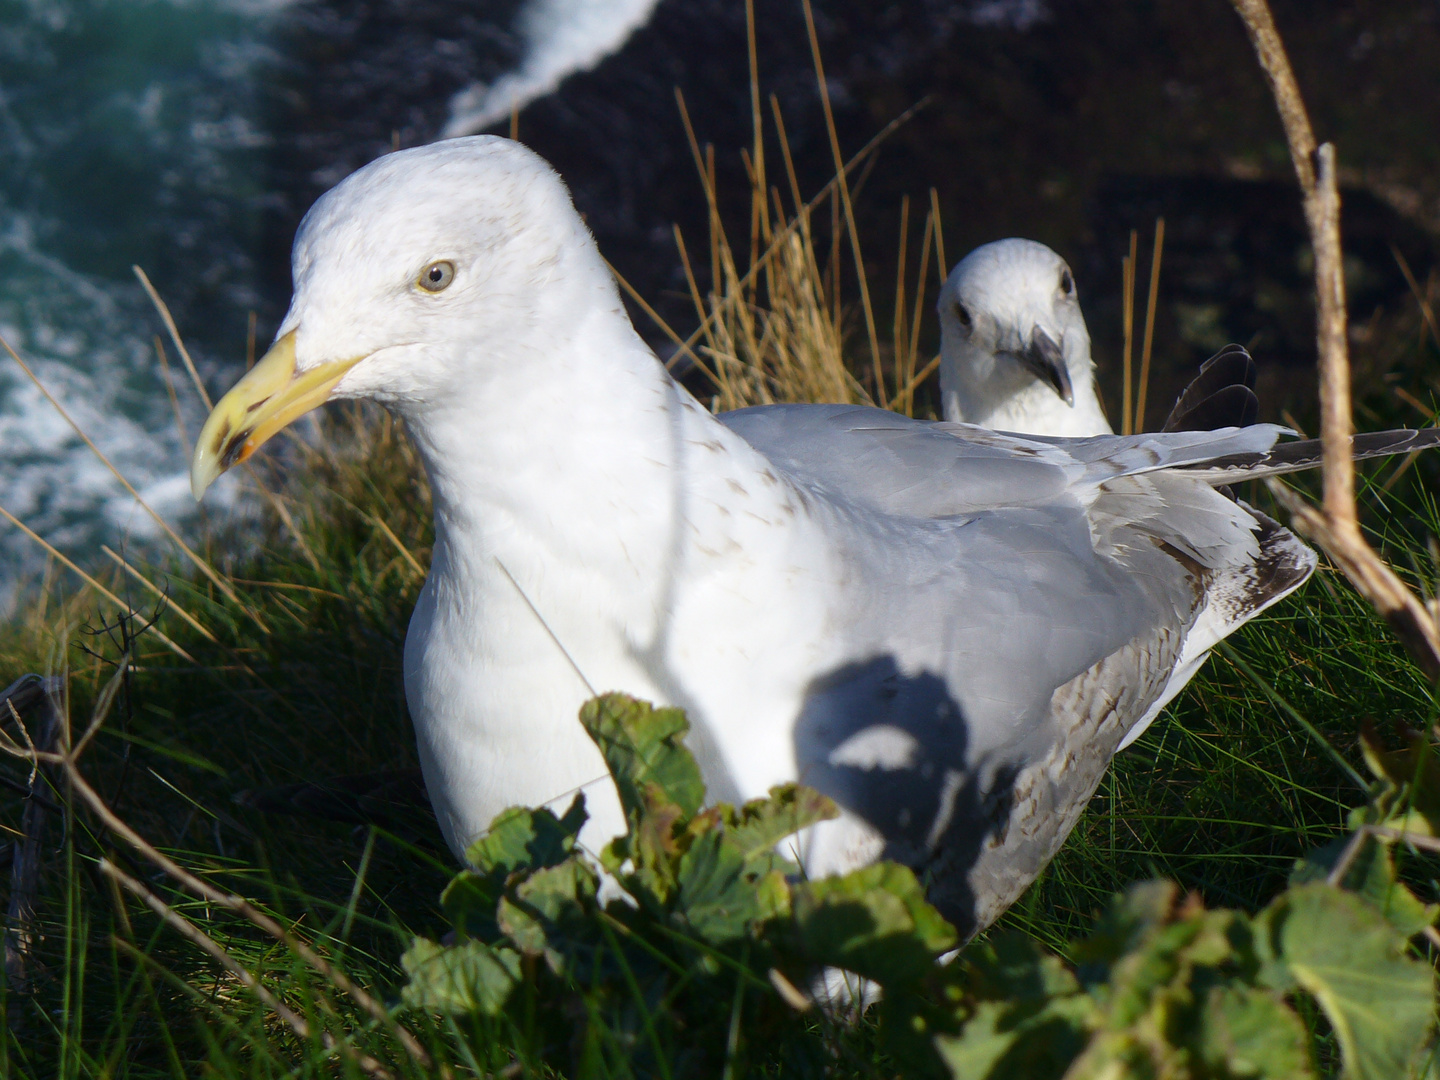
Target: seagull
[
  {"x": 947, "y": 629},
  {"x": 1014, "y": 350}
]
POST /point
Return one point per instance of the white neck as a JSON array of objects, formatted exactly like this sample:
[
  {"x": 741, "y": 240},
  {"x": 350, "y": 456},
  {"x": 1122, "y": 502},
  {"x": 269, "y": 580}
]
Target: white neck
[
  {"x": 567, "y": 533},
  {"x": 1009, "y": 398}
]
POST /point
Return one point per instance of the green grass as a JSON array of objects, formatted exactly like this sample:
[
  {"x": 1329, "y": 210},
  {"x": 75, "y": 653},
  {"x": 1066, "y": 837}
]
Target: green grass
[{"x": 1222, "y": 794}]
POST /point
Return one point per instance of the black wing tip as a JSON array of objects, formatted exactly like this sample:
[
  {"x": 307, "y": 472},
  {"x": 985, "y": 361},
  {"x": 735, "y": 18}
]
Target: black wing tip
[
  {"x": 1221, "y": 395},
  {"x": 1233, "y": 406}
]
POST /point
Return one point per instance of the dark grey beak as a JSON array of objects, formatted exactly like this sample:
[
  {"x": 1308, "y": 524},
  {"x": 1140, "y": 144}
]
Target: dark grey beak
[{"x": 1044, "y": 358}]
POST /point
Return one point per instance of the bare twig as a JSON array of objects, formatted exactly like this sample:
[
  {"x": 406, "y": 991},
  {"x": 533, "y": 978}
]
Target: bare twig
[
  {"x": 1383, "y": 833},
  {"x": 789, "y": 993},
  {"x": 192, "y": 933},
  {"x": 1396, "y": 604},
  {"x": 160, "y": 593},
  {"x": 59, "y": 557},
  {"x": 1336, "y": 529}
]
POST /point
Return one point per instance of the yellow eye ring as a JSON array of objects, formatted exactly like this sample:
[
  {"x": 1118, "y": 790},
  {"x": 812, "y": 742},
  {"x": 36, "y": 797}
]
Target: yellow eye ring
[{"x": 437, "y": 276}]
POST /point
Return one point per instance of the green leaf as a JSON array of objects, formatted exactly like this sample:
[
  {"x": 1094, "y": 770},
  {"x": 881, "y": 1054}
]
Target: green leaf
[
  {"x": 643, "y": 745},
  {"x": 1252, "y": 1033},
  {"x": 716, "y": 898},
  {"x": 517, "y": 840},
  {"x": 1147, "y": 948},
  {"x": 1339, "y": 948},
  {"x": 459, "y": 979},
  {"x": 874, "y": 921},
  {"x": 1010, "y": 966},
  {"x": 1005, "y": 1042},
  {"x": 761, "y": 824},
  {"x": 549, "y": 912},
  {"x": 1030, "y": 1020},
  {"x": 1371, "y": 875}
]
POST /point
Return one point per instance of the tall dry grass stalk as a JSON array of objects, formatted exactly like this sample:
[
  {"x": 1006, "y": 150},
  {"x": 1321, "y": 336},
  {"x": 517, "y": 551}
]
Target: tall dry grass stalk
[
  {"x": 774, "y": 329},
  {"x": 773, "y": 321}
]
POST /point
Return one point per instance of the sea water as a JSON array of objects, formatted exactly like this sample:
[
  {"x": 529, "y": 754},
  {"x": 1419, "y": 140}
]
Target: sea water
[{"x": 134, "y": 132}]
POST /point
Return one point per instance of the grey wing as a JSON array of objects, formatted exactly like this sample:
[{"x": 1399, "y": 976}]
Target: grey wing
[
  {"x": 989, "y": 692},
  {"x": 1022, "y": 604},
  {"x": 923, "y": 469}
]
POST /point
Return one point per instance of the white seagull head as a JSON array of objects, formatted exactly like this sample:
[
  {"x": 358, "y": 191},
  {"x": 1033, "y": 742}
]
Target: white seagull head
[
  {"x": 1015, "y": 354},
  {"x": 468, "y": 248}
]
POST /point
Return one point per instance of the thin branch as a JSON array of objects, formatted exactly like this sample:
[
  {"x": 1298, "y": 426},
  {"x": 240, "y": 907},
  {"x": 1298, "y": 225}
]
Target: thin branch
[
  {"x": 60, "y": 557},
  {"x": 1396, "y": 604},
  {"x": 1337, "y": 529},
  {"x": 160, "y": 593}
]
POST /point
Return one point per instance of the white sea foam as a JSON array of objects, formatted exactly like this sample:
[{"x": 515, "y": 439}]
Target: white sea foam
[
  {"x": 561, "y": 37},
  {"x": 87, "y": 341}
]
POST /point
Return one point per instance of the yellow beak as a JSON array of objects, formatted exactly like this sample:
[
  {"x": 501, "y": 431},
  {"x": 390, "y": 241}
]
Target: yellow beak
[{"x": 268, "y": 398}]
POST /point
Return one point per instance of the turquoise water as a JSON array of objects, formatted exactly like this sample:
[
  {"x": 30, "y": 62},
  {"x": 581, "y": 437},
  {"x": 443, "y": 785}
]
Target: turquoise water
[
  {"x": 145, "y": 132},
  {"x": 131, "y": 136}
]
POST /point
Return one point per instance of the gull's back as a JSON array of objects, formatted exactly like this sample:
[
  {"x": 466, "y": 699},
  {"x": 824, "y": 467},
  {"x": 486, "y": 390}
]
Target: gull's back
[{"x": 1018, "y": 606}]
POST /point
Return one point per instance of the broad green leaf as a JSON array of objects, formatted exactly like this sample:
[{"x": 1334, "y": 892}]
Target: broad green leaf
[
  {"x": 874, "y": 921},
  {"x": 1010, "y": 966},
  {"x": 1146, "y": 949},
  {"x": 1379, "y": 1001},
  {"x": 644, "y": 745},
  {"x": 1007, "y": 1041},
  {"x": 520, "y": 838},
  {"x": 1408, "y": 796},
  {"x": 517, "y": 840},
  {"x": 762, "y": 823},
  {"x": 547, "y": 913},
  {"x": 653, "y": 845},
  {"x": 1133, "y": 917},
  {"x": 1031, "y": 1020},
  {"x": 1252, "y": 1033},
  {"x": 459, "y": 979},
  {"x": 1371, "y": 875},
  {"x": 716, "y": 898}
]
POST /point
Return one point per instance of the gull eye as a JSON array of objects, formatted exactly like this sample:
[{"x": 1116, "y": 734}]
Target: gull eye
[
  {"x": 962, "y": 314},
  {"x": 437, "y": 276},
  {"x": 1067, "y": 283}
]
